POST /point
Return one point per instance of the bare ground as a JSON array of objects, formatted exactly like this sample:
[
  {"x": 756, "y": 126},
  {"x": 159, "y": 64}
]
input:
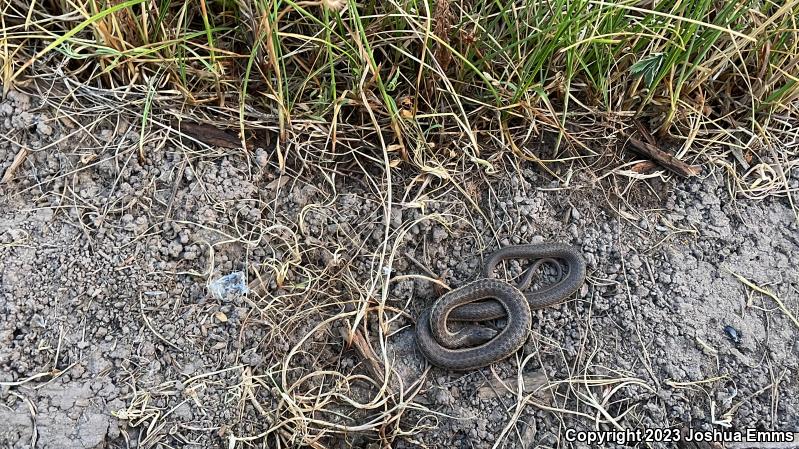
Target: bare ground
[{"x": 109, "y": 336}]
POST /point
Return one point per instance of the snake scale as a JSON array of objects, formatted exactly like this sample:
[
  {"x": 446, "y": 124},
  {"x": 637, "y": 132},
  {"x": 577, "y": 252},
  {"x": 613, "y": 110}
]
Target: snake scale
[{"x": 487, "y": 299}]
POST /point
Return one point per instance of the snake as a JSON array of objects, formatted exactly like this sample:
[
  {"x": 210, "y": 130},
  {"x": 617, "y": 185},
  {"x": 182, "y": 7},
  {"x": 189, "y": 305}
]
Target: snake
[
  {"x": 489, "y": 298},
  {"x": 430, "y": 332}
]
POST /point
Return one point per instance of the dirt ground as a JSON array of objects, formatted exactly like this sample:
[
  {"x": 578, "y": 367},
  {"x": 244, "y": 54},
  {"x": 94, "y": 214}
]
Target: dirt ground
[{"x": 109, "y": 336}]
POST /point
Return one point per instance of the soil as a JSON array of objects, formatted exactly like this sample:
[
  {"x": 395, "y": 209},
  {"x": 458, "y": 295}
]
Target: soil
[{"x": 109, "y": 336}]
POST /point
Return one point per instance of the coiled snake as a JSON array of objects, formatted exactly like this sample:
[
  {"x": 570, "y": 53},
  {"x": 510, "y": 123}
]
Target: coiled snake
[{"x": 477, "y": 346}]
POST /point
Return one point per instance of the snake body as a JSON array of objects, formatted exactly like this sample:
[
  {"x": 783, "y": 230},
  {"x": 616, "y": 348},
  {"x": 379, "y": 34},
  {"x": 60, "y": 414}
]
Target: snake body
[
  {"x": 486, "y": 346},
  {"x": 538, "y": 299},
  {"x": 433, "y": 337}
]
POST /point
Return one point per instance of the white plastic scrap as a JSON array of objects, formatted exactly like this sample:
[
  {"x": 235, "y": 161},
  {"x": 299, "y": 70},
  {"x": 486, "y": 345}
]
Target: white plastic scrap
[{"x": 230, "y": 284}]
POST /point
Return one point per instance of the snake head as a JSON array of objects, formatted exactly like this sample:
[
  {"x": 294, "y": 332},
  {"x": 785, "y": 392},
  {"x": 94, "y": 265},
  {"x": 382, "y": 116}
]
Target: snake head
[{"x": 475, "y": 335}]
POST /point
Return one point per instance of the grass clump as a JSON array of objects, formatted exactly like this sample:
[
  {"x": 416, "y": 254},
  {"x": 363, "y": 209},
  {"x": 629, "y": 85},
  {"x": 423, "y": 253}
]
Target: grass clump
[{"x": 711, "y": 75}]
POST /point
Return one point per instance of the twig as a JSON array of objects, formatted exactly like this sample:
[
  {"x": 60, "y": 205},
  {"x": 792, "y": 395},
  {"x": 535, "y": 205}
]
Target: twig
[
  {"x": 661, "y": 157},
  {"x": 208, "y": 134},
  {"x": 422, "y": 266},
  {"x": 18, "y": 160},
  {"x": 366, "y": 352},
  {"x": 149, "y": 326}
]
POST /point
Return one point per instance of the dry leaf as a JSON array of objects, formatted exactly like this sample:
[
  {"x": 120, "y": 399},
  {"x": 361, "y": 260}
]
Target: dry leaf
[
  {"x": 406, "y": 109},
  {"x": 279, "y": 182},
  {"x": 643, "y": 166}
]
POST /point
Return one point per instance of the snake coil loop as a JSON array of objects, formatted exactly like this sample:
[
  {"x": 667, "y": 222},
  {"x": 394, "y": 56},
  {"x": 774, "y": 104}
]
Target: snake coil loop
[{"x": 477, "y": 346}]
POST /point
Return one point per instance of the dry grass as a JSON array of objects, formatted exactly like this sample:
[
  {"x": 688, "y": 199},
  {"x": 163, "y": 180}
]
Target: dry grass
[
  {"x": 303, "y": 310},
  {"x": 446, "y": 82},
  {"x": 446, "y": 89}
]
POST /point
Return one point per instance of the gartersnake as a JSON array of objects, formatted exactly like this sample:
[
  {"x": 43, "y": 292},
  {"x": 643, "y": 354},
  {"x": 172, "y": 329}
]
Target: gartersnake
[{"x": 477, "y": 346}]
